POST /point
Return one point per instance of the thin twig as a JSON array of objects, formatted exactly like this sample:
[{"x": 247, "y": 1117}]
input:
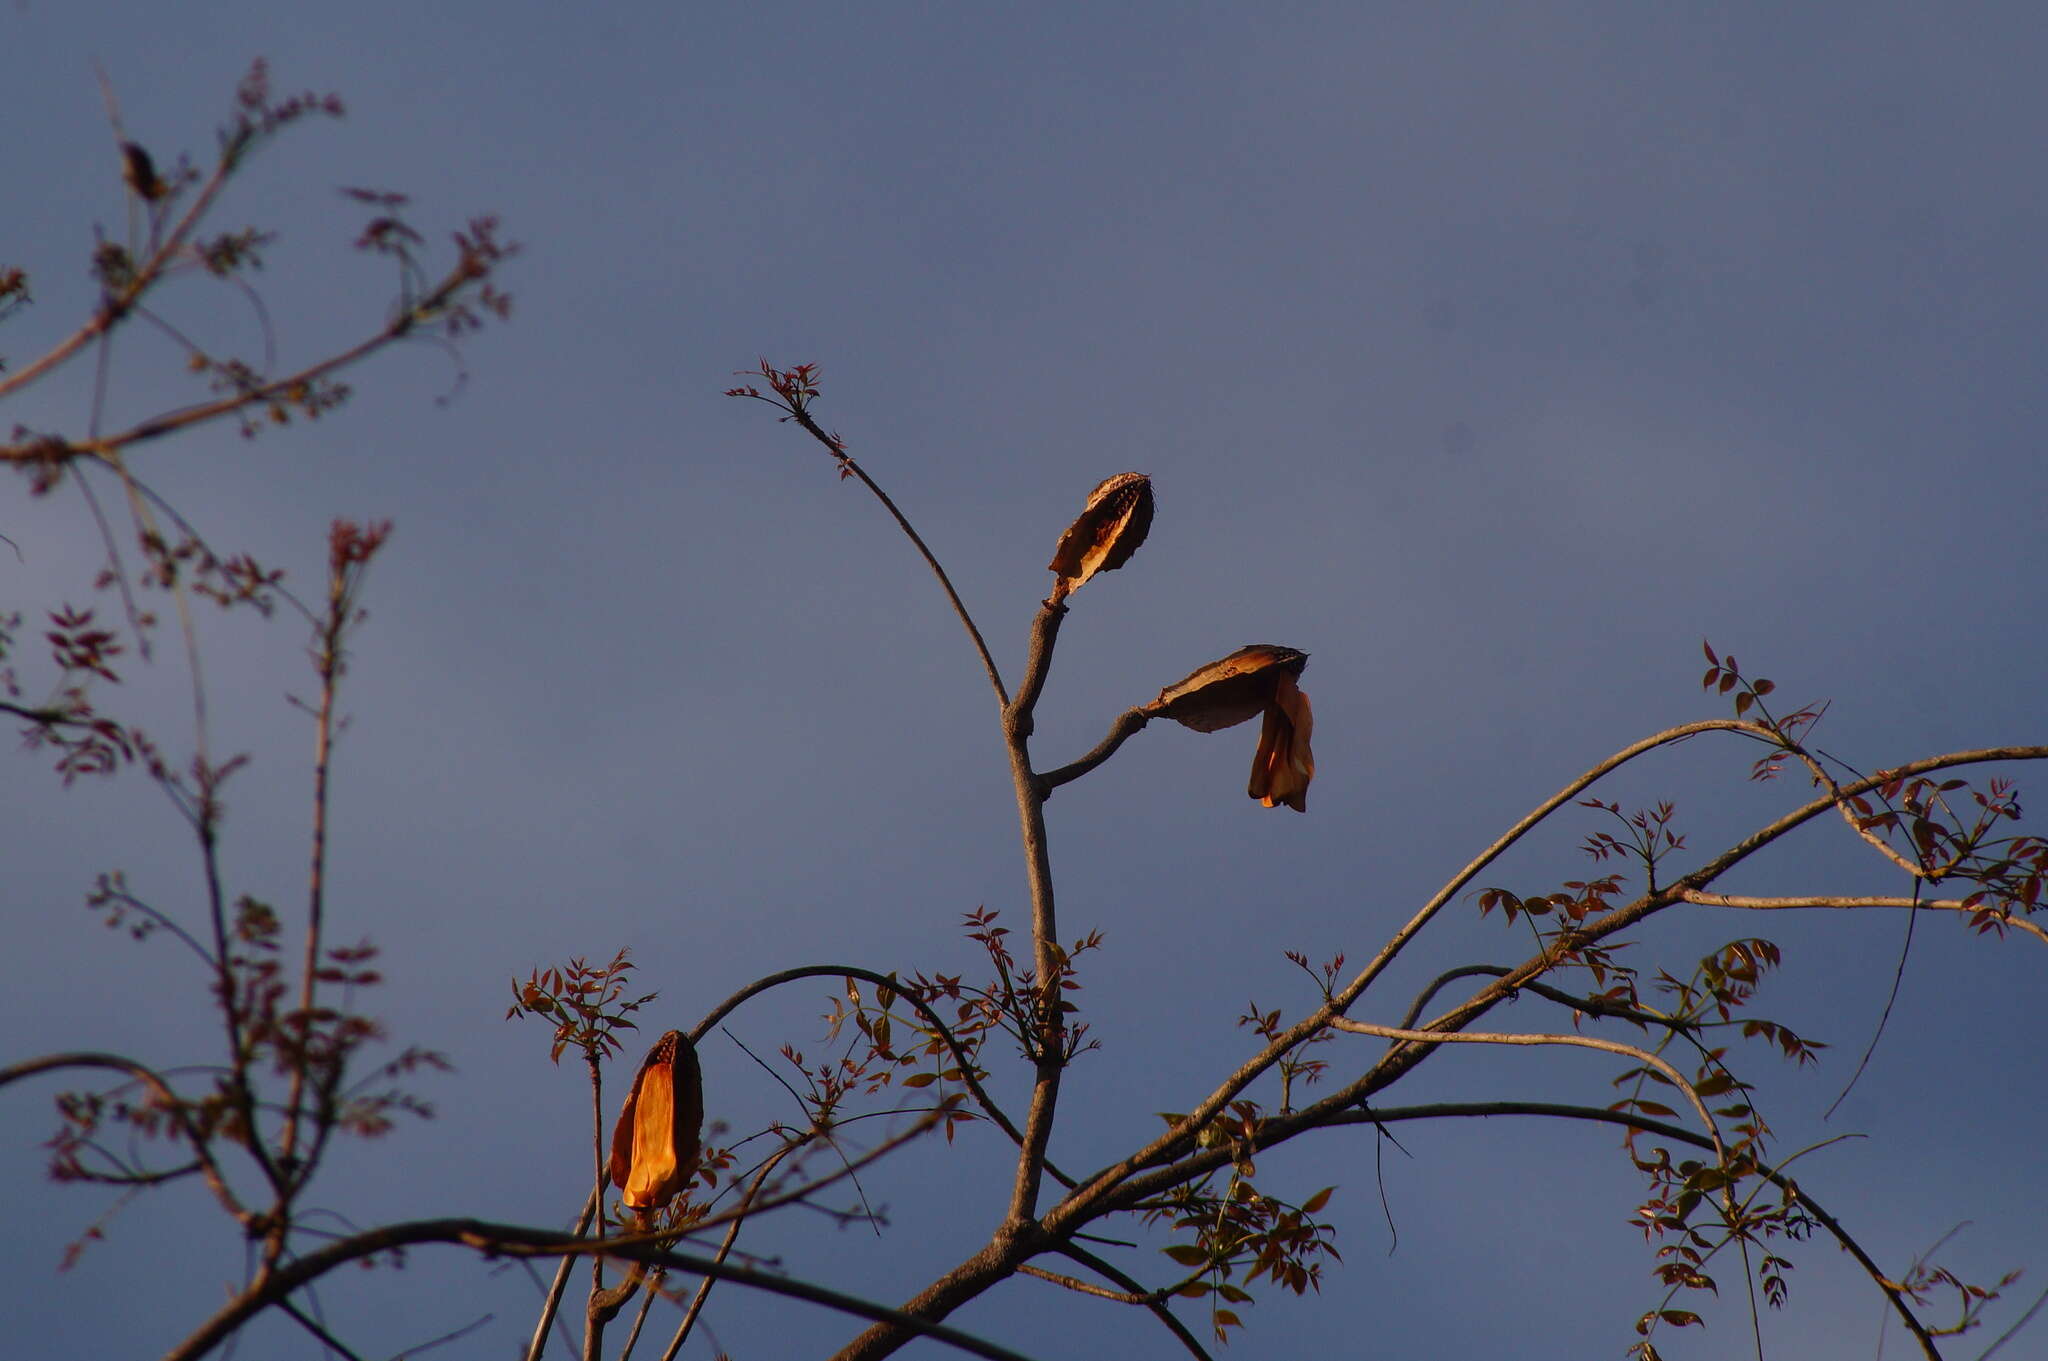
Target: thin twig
[
  {"x": 173, "y": 1107},
  {"x": 800, "y": 413},
  {"x": 1109, "y": 1271},
  {"x": 923, "y": 1009},
  {"x": 1852, "y": 901},
  {"x": 732, "y": 1234},
  {"x": 1884, "y": 1017},
  {"x": 553, "y": 1301}
]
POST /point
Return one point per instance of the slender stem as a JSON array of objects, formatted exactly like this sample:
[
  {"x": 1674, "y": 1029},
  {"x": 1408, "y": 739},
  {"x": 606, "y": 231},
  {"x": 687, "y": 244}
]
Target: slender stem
[
  {"x": 327, "y": 662},
  {"x": 593, "y": 1318},
  {"x": 732, "y": 1234},
  {"x": 553, "y": 1301},
  {"x": 802, "y": 416},
  {"x": 1893, "y": 1294}
]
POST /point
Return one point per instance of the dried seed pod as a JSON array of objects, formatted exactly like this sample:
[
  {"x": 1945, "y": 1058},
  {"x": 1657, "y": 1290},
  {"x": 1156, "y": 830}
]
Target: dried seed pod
[
  {"x": 657, "y": 1140},
  {"x": 1112, "y": 525},
  {"x": 1259, "y": 679},
  {"x": 139, "y": 172}
]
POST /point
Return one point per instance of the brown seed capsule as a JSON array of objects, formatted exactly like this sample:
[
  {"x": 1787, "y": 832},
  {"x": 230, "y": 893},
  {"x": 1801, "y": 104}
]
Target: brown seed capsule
[
  {"x": 139, "y": 171},
  {"x": 1283, "y": 765},
  {"x": 657, "y": 1140},
  {"x": 1112, "y": 525},
  {"x": 1259, "y": 679}
]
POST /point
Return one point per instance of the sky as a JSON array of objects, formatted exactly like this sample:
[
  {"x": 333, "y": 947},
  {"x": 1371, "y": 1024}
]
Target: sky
[{"x": 1493, "y": 355}]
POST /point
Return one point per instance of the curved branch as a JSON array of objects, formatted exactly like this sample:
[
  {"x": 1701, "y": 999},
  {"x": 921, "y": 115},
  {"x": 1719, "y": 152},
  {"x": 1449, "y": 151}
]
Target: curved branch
[
  {"x": 800, "y": 413},
  {"x": 1127, "y": 723},
  {"x": 1119, "y": 1182},
  {"x": 923, "y": 1009},
  {"x": 1163, "y": 1147},
  {"x": 1893, "y": 1294},
  {"x": 1542, "y": 811},
  {"x": 732, "y": 1234},
  {"x": 515, "y": 1240},
  {"x": 172, "y": 1106},
  {"x": 1644, "y": 1056}
]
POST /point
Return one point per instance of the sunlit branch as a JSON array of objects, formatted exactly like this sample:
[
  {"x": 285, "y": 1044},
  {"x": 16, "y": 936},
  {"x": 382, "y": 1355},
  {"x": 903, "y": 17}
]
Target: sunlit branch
[
  {"x": 1125, "y": 1180},
  {"x": 1163, "y": 1147},
  {"x": 1754, "y": 904},
  {"x": 1642, "y": 1056}
]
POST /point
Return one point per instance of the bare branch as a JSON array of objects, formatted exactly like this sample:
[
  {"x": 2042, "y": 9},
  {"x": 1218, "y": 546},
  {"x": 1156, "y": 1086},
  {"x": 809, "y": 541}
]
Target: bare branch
[
  {"x": 1755, "y": 904},
  {"x": 1127, "y": 723},
  {"x": 496, "y": 1240},
  {"x": 923, "y": 1009},
  {"x": 1109, "y": 1271},
  {"x": 800, "y": 413},
  {"x": 168, "y": 1100},
  {"x": 1642, "y": 1056}
]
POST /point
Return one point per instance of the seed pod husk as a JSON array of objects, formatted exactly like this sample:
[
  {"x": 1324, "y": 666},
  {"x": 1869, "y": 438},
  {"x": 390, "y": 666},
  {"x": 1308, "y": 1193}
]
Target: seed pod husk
[
  {"x": 1227, "y": 692},
  {"x": 657, "y": 1140},
  {"x": 1111, "y": 527},
  {"x": 1259, "y": 679},
  {"x": 1284, "y": 765}
]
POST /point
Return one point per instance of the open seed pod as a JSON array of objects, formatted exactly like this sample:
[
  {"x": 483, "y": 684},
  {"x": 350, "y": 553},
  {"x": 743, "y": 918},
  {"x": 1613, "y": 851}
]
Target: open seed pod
[
  {"x": 1112, "y": 525},
  {"x": 1259, "y": 679},
  {"x": 1283, "y": 764},
  {"x": 657, "y": 1140}
]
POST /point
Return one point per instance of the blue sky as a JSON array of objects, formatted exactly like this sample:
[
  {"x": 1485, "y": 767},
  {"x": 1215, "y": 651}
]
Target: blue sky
[{"x": 1493, "y": 355}]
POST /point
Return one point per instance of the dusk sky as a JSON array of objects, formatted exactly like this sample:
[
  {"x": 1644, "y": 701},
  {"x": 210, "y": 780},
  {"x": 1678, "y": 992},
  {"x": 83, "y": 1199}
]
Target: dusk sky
[{"x": 1493, "y": 355}]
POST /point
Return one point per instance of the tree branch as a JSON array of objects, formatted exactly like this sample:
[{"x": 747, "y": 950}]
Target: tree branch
[
  {"x": 513, "y": 1240},
  {"x": 168, "y": 1100},
  {"x": 1127, "y": 723},
  {"x": 923, "y": 1009},
  {"x": 1753, "y": 904}
]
